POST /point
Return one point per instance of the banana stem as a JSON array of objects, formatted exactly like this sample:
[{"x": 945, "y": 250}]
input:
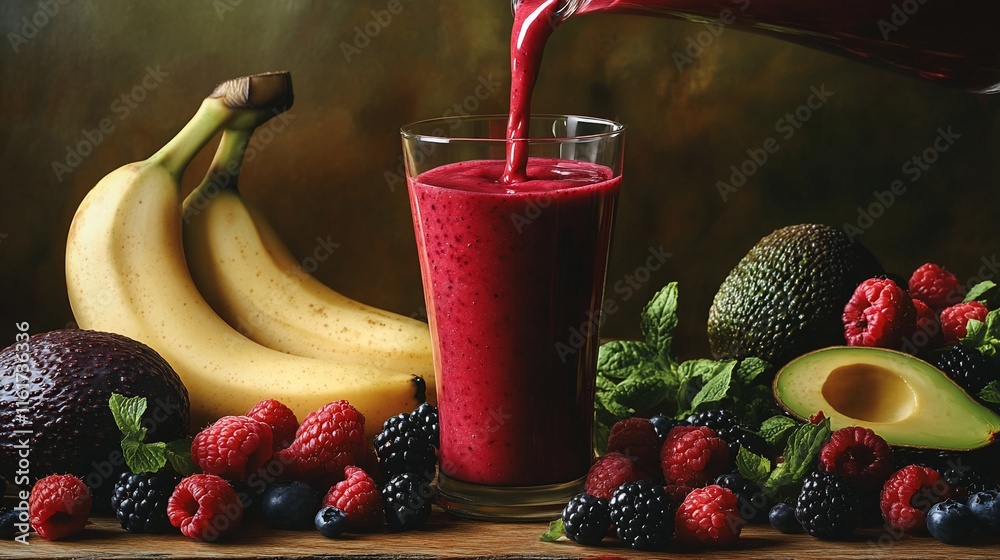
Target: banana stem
[
  {"x": 177, "y": 154},
  {"x": 228, "y": 161},
  {"x": 240, "y": 104}
]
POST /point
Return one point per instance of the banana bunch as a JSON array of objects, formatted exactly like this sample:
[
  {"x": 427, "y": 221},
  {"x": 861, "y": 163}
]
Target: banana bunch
[{"x": 126, "y": 272}]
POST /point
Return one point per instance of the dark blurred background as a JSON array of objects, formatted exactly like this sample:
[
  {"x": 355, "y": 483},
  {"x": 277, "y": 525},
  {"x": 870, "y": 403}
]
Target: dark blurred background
[{"x": 143, "y": 68}]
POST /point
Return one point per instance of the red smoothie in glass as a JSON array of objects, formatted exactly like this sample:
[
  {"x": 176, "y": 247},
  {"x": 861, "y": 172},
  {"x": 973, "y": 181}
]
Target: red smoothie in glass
[{"x": 515, "y": 397}]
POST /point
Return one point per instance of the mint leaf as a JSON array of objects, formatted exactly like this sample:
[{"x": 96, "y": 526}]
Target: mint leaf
[
  {"x": 604, "y": 384},
  {"x": 127, "y": 412},
  {"x": 750, "y": 369},
  {"x": 617, "y": 410},
  {"x": 799, "y": 458},
  {"x": 990, "y": 393},
  {"x": 619, "y": 358},
  {"x": 178, "y": 453},
  {"x": 555, "y": 531},
  {"x": 984, "y": 335},
  {"x": 716, "y": 388},
  {"x": 776, "y": 430},
  {"x": 752, "y": 466},
  {"x": 659, "y": 320},
  {"x": 144, "y": 457},
  {"x": 979, "y": 291},
  {"x": 641, "y": 393}
]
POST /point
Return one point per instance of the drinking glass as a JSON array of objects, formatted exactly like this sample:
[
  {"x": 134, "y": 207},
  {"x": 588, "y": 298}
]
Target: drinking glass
[{"x": 513, "y": 278}]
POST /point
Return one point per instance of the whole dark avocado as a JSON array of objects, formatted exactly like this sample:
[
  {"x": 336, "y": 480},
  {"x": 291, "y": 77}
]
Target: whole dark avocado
[
  {"x": 787, "y": 295},
  {"x": 54, "y": 414}
]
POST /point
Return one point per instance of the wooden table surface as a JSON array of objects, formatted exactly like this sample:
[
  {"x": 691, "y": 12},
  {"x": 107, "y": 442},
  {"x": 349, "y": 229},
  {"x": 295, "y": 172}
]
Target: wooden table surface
[{"x": 448, "y": 537}]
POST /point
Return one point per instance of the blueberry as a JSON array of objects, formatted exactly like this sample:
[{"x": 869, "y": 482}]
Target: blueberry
[
  {"x": 950, "y": 521},
  {"x": 331, "y": 522},
  {"x": 8, "y": 521},
  {"x": 782, "y": 518},
  {"x": 985, "y": 507},
  {"x": 290, "y": 505}
]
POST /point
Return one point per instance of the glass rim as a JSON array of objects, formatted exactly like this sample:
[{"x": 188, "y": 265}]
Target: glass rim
[{"x": 408, "y": 131}]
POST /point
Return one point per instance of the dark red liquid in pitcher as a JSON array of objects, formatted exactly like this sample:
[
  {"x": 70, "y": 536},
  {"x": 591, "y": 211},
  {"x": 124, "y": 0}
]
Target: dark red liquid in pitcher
[{"x": 951, "y": 42}]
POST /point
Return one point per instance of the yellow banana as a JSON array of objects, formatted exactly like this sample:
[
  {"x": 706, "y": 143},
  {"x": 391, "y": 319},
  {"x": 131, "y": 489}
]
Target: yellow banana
[
  {"x": 126, "y": 272},
  {"x": 250, "y": 278}
]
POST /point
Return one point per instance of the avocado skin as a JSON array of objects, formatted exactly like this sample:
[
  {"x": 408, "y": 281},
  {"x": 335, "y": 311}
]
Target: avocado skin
[
  {"x": 787, "y": 295},
  {"x": 72, "y": 375}
]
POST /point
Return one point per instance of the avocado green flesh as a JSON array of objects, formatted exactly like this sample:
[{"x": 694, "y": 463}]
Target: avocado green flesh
[{"x": 903, "y": 399}]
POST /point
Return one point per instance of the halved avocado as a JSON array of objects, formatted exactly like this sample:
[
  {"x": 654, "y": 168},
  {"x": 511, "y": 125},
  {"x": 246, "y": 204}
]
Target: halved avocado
[{"x": 903, "y": 399}]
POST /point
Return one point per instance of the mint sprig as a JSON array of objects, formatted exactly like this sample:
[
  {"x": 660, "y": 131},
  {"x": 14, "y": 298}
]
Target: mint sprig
[
  {"x": 800, "y": 455},
  {"x": 556, "y": 530},
  {"x": 984, "y": 335},
  {"x": 643, "y": 377},
  {"x": 982, "y": 292},
  {"x": 141, "y": 456}
]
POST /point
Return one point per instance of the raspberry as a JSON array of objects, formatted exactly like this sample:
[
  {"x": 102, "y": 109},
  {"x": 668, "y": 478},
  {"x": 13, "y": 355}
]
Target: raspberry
[
  {"x": 967, "y": 366},
  {"x": 937, "y": 287},
  {"x": 586, "y": 519},
  {"x": 636, "y": 439},
  {"x": 140, "y": 501},
  {"x": 232, "y": 447},
  {"x": 859, "y": 455},
  {"x": 358, "y": 497},
  {"x": 59, "y": 506},
  {"x": 929, "y": 324},
  {"x": 609, "y": 472},
  {"x": 204, "y": 507},
  {"x": 909, "y": 494},
  {"x": 643, "y": 515},
  {"x": 407, "y": 499},
  {"x": 280, "y": 418},
  {"x": 827, "y": 506},
  {"x": 954, "y": 320},
  {"x": 693, "y": 455},
  {"x": 709, "y": 516},
  {"x": 328, "y": 440},
  {"x": 879, "y": 314},
  {"x": 403, "y": 446}
]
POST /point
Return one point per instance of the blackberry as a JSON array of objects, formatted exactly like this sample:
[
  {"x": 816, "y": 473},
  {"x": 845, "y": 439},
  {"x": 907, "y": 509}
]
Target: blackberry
[
  {"x": 967, "y": 367},
  {"x": 586, "y": 519},
  {"x": 403, "y": 447},
  {"x": 723, "y": 423},
  {"x": 643, "y": 515},
  {"x": 426, "y": 416},
  {"x": 139, "y": 500},
  {"x": 663, "y": 424},
  {"x": 827, "y": 506},
  {"x": 407, "y": 500},
  {"x": 964, "y": 482},
  {"x": 752, "y": 502},
  {"x": 782, "y": 518}
]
